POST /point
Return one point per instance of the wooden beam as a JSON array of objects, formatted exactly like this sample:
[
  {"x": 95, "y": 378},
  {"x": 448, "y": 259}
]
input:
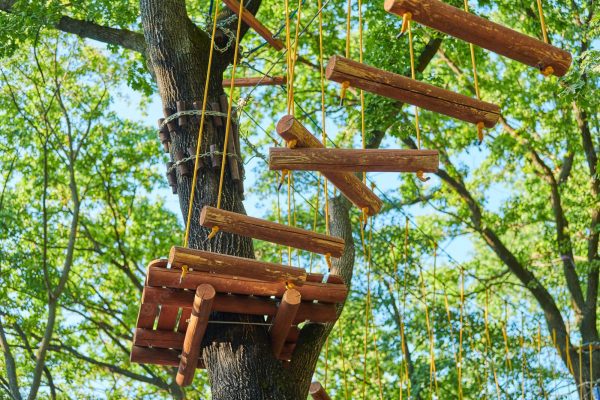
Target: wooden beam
[
  {"x": 168, "y": 357},
  {"x": 255, "y": 24},
  {"x": 353, "y": 188},
  {"x": 171, "y": 278},
  {"x": 238, "y": 304},
  {"x": 483, "y": 33},
  {"x": 201, "y": 310},
  {"x": 271, "y": 231},
  {"x": 282, "y": 323},
  {"x": 353, "y": 160},
  {"x": 256, "y": 81},
  {"x": 235, "y": 266},
  {"x": 406, "y": 90},
  {"x": 317, "y": 392},
  {"x": 160, "y": 339}
]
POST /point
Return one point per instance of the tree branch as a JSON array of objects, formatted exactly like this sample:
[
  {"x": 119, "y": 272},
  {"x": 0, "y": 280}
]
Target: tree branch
[{"x": 9, "y": 363}]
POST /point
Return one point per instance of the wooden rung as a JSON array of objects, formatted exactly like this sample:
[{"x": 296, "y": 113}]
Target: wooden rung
[
  {"x": 237, "y": 266},
  {"x": 317, "y": 392},
  {"x": 201, "y": 310},
  {"x": 168, "y": 357},
  {"x": 406, "y": 90},
  {"x": 171, "y": 278},
  {"x": 237, "y": 304},
  {"x": 351, "y": 160},
  {"x": 282, "y": 323},
  {"x": 353, "y": 188},
  {"x": 271, "y": 231},
  {"x": 256, "y": 81},
  {"x": 483, "y": 33},
  {"x": 255, "y": 24}
]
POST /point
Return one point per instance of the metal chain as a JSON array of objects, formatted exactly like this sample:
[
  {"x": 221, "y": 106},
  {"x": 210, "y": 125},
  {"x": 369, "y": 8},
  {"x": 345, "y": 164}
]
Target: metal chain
[
  {"x": 204, "y": 155},
  {"x": 192, "y": 113}
]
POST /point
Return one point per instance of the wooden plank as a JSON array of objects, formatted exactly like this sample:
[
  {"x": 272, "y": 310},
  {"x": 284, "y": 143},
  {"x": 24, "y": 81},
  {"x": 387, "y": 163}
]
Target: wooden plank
[
  {"x": 271, "y": 231},
  {"x": 483, "y": 33},
  {"x": 353, "y": 188},
  {"x": 353, "y": 160},
  {"x": 217, "y": 263},
  {"x": 284, "y": 318},
  {"x": 256, "y": 81},
  {"x": 317, "y": 392},
  {"x": 167, "y": 318},
  {"x": 424, "y": 95},
  {"x": 160, "y": 339},
  {"x": 171, "y": 278},
  {"x": 184, "y": 320},
  {"x": 201, "y": 310},
  {"x": 238, "y": 304},
  {"x": 147, "y": 316},
  {"x": 167, "y": 357},
  {"x": 255, "y": 24}
]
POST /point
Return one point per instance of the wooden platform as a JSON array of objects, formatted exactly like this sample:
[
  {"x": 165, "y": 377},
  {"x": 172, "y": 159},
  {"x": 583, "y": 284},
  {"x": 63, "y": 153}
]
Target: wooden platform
[
  {"x": 255, "y": 24},
  {"x": 406, "y": 90},
  {"x": 165, "y": 317},
  {"x": 353, "y": 160},
  {"x": 353, "y": 188},
  {"x": 271, "y": 231},
  {"x": 484, "y": 33}
]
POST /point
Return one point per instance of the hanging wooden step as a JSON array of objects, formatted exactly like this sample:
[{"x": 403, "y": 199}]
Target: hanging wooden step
[
  {"x": 484, "y": 33},
  {"x": 353, "y": 160},
  {"x": 217, "y": 263},
  {"x": 406, "y": 90},
  {"x": 256, "y": 81},
  {"x": 200, "y": 293},
  {"x": 317, "y": 392},
  {"x": 290, "y": 129},
  {"x": 255, "y": 24},
  {"x": 271, "y": 231}
]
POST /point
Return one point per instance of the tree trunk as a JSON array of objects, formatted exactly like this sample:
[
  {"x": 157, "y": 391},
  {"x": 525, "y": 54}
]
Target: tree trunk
[{"x": 239, "y": 359}]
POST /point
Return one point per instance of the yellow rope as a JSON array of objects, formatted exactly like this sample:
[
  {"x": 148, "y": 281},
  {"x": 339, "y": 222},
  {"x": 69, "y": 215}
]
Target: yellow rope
[
  {"x": 323, "y": 111},
  {"x": 461, "y": 331},
  {"x": 542, "y": 21},
  {"x": 362, "y": 93},
  {"x": 404, "y": 297},
  {"x": 413, "y": 76},
  {"x": 346, "y": 84},
  {"x": 228, "y": 123},
  {"x": 200, "y": 132},
  {"x": 489, "y": 342},
  {"x": 341, "y": 329},
  {"x": 432, "y": 370}
]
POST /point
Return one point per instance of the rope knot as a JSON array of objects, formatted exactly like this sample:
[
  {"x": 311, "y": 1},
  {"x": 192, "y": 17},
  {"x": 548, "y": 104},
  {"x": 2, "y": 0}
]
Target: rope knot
[
  {"x": 480, "y": 126},
  {"x": 328, "y": 260},
  {"x": 184, "y": 271},
  {"x": 547, "y": 71},
  {"x": 289, "y": 285},
  {"x": 213, "y": 232},
  {"x": 421, "y": 176},
  {"x": 291, "y": 144},
  {"x": 345, "y": 86},
  {"x": 406, "y": 18}
]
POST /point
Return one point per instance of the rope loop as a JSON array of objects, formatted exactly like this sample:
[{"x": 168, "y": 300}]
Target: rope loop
[{"x": 406, "y": 18}]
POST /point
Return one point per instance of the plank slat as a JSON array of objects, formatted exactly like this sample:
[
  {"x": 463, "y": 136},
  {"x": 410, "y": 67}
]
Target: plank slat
[
  {"x": 271, "y": 231},
  {"x": 353, "y": 160},
  {"x": 167, "y": 318},
  {"x": 483, "y": 33}
]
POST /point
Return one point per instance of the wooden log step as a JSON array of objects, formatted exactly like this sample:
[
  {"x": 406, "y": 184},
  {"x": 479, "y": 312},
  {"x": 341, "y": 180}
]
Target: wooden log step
[
  {"x": 255, "y": 24},
  {"x": 353, "y": 160},
  {"x": 317, "y": 392},
  {"x": 256, "y": 81},
  {"x": 201, "y": 309},
  {"x": 238, "y": 304},
  {"x": 353, "y": 188},
  {"x": 171, "y": 278},
  {"x": 484, "y": 33},
  {"x": 424, "y": 95},
  {"x": 235, "y": 266},
  {"x": 284, "y": 318},
  {"x": 271, "y": 231},
  {"x": 167, "y": 357}
]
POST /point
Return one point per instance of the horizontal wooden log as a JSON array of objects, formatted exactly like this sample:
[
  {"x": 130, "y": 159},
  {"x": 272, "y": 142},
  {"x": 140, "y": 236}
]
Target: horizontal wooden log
[
  {"x": 353, "y": 160},
  {"x": 201, "y": 309},
  {"x": 224, "y": 264},
  {"x": 353, "y": 188},
  {"x": 406, "y": 90},
  {"x": 167, "y": 357},
  {"x": 284, "y": 318},
  {"x": 237, "y": 304},
  {"x": 159, "y": 339},
  {"x": 255, "y": 24},
  {"x": 483, "y": 33},
  {"x": 271, "y": 231},
  {"x": 317, "y": 392},
  {"x": 171, "y": 278},
  {"x": 256, "y": 81}
]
